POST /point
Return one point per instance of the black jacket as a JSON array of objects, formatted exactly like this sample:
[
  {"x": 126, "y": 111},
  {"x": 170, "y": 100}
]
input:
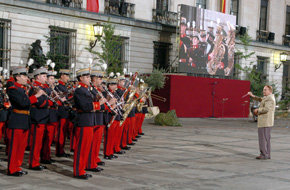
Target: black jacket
[
  {"x": 39, "y": 111},
  {"x": 19, "y": 100},
  {"x": 62, "y": 110},
  {"x": 86, "y": 106}
]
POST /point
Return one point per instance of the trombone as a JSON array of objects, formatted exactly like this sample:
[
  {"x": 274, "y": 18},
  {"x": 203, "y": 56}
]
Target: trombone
[{"x": 156, "y": 97}]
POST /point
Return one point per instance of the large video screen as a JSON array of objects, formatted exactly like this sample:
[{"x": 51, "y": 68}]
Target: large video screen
[{"x": 207, "y": 41}]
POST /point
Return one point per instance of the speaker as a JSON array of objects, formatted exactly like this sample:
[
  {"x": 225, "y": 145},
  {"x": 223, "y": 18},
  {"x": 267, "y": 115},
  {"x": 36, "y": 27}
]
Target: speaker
[
  {"x": 271, "y": 36},
  {"x": 242, "y": 30}
]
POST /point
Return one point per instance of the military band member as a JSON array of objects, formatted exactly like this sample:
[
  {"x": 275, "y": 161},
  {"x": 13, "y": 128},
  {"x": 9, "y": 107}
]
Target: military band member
[
  {"x": 94, "y": 159},
  {"x": 85, "y": 122},
  {"x": 19, "y": 120},
  {"x": 113, "y": 121},
  {"x": 63, "y": 127},
  {"x": 119, "y": 93},
  {"x": 4, "y": 106},
  {"x": 52, "y": 122},
  {"x": 184, "y": 42},
  {"x": 39, "y": 118},
  {"x": 121, "y": 90}
]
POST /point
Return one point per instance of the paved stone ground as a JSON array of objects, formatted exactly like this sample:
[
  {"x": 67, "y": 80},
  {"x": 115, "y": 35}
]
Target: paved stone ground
[{"x": 203, "y": 154}]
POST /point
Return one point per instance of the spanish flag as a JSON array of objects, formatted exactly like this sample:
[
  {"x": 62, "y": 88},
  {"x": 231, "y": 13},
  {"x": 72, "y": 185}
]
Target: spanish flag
[{"x": 223, "y": 6}]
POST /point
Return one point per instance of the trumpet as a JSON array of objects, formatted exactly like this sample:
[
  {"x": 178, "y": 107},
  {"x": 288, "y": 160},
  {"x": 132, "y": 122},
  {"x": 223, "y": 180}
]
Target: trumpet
[
  {"x": 36, "y": 89},
  {"x": 58, "y": 96}
]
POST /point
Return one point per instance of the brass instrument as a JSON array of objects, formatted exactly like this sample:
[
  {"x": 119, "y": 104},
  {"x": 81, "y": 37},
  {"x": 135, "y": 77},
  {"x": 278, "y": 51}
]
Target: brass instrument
[
  {"x": 36, "y": 89},
  {"x": 160, "y": 98},
  {"x": 59, "y": 97},
  {"x": 231, "y": 49},
  {"x": 217, "y": 53}
]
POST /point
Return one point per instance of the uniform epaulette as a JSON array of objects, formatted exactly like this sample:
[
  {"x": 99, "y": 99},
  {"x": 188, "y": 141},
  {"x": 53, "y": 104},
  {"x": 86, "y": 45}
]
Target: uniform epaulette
[{"x": 79, "y": 86}]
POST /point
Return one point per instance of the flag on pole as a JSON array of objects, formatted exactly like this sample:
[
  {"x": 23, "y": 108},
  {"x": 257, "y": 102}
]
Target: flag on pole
[
  {"x": 93, "y": 5},
  {"x": 223, "y": 6}
]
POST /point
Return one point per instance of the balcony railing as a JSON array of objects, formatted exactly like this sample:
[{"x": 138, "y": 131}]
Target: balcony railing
[
  {"x": 67, "y": 3},
  {"x": 119, "y": 8},
  {"x": 265, "y": 36},
  {"x": 286, "y": 40},
  {"x": 164, "y": 17}
]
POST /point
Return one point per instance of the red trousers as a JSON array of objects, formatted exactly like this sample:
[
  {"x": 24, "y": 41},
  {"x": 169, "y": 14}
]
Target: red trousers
[
  {"x": 95, "y": 149},
  {"x": 139, "y": 121},
  {"x": 36, "y": 136},
  {"x": 109, "y": 139},
  {"x": 132, "y": 126},
  {"x": 118, "y": 136},
  {"x": 124, "y": 137},
  {"x": 84, "y": 139},
  {"x": 47, "y": 140},
  {"x": 1, "y": 129},
  {"x": 61, "y": 135},
  {"x": 17, "y": 144}
]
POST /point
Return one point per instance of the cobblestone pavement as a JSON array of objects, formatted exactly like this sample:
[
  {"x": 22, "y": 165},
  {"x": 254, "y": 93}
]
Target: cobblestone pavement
[{"x": 203, "y": 154}]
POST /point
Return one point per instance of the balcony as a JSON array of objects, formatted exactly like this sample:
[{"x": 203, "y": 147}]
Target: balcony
[
  {"x": 119, "y": 8},
  {"x": 286, "y": 40},
  {"x": 164, "y": 17},
  {"x": 265, "y": 36},
  {"x": 67, "y": 3}
]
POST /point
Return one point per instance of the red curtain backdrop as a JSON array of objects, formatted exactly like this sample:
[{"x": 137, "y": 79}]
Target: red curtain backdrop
[
  {"x": 93, "y": 5},
  {"x": 193, "y": 97}
]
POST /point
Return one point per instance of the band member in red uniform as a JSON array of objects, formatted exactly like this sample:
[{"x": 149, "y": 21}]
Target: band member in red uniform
[
  {"x": 4, "y": 106},
  {"x": 85, "y": 122},
  {"x": 121, "y": 90},
  {"x": 113, "y": 121},
  {"x": 52, "y": 122},
  {"x": 19, "y": 120},
  {"x": 63, "y": 127},
  {"x": 119, "y": 130},
  {"x": 39, "y": 118},
  {"x": 94, "y": 159}
]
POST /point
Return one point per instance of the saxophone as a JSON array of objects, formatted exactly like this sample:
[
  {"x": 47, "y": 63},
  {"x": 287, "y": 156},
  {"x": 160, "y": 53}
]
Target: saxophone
[
  {"x": 231, "y": 49},
  {"x": 129, "y": 105},
  {"x": 217, "y": 53}
]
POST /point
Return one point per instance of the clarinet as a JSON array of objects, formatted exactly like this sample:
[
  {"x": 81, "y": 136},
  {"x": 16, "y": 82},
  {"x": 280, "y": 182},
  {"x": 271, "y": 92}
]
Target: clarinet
[{"x": 107, "y": 103}]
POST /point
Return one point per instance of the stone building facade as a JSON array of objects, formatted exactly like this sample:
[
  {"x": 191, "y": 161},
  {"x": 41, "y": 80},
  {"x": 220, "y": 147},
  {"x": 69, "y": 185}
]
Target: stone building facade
[{"x": 147, "y": 27}]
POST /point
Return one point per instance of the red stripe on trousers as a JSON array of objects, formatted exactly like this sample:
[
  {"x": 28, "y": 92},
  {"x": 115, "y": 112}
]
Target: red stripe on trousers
[
  {"x": 95, "y": 149},
  {"x": 36, "y": 136},
  {"x": 1, "y": 129},
  {"x": 84, "y": 139},
  {"x": 61, "y": 135},
  {"x": 47, "y": 140},
  {"x": 72, "y": 136},
  {"x": 18, "y": 142}
]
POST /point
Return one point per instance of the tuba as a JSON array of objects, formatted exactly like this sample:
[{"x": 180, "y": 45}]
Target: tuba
[{"x": 217, "y": 53}]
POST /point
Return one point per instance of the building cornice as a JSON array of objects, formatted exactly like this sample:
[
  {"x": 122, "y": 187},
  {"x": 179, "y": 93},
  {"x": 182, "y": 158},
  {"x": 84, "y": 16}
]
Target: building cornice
[{"x": 77, "y": 13}]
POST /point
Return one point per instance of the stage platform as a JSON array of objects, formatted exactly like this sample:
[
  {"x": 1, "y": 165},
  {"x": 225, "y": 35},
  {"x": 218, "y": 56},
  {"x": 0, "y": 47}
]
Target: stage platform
[{"x": 204, "y": 97}]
